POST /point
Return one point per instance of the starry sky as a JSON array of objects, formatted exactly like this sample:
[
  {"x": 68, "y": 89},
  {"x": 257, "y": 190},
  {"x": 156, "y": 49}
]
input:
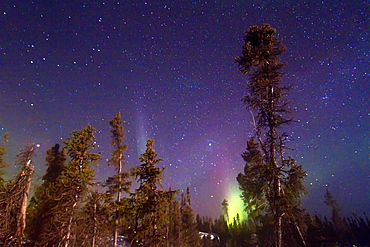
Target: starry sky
[{"x": 168, "y": 66}]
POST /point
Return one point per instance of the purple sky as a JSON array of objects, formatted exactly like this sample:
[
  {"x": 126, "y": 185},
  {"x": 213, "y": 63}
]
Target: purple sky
[{"x": 168, "y": 66}]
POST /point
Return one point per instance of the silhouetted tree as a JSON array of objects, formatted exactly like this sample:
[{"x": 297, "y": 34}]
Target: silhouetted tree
[
  {"x": 340, "y": 230},
  {"x": 189, "y": 232},
  {"x": 175, "y": 224},
  {"x": 221, "y": 228},
  {"x": 360, "y": 229},
  {"x": 338, "y": 222},
  {"x": 46, "y": 195},
  {"x": 271, "y": 183},
  {"x": 225, "y": 208}
]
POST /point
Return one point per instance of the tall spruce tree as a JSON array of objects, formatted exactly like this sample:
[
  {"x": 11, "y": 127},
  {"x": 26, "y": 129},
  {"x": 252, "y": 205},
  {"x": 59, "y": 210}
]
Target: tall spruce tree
[
  {"x": 78, "y": 174},
  {"x": 149, "y": 203},
  {"x": 271, "y": 182},
  {"x": 71, "y": 187},
  {"x": 118, "y": 183}
]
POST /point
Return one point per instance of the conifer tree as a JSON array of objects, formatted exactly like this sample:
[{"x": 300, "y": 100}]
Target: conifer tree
[
  {"x": 46, "y": 195},
  {"x": 149, "y": 203},
  {"x": 338, "y": 222},
  {"x": 72, "y": 186},
  {"x": 13, "y": 206},
  {"x": 119, "y": 182},
  {"x": 78, "y": 174},
  {"x": 221, "y": 228},
  {"x": 271, "y": 183},
  {"x": 189, "y": 232},
  {"x": 93, "y": 221},
  {"x": 225, "y": 208},
  {"x": 174, "y": 220}
]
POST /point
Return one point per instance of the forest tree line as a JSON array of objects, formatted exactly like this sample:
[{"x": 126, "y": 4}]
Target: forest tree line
[{"x": 70, "y": 208}]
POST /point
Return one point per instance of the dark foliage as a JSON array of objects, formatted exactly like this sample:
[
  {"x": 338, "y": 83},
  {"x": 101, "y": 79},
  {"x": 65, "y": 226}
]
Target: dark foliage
[{"x": 271, "y": 183}]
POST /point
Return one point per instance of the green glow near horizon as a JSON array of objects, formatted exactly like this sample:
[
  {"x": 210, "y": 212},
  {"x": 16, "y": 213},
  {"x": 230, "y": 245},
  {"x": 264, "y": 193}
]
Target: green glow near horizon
[{"x": 236, "y": 205}]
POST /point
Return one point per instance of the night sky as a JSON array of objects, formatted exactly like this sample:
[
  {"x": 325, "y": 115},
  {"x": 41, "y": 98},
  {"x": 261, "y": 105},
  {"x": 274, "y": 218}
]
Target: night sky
[{"x": 168, "y": 66}]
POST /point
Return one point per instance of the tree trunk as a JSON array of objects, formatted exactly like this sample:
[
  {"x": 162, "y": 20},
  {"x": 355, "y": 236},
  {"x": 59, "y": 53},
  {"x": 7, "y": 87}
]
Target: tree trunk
[
  {"x": 69, "y": 227},
  {"x": 272, "y": 134},
  {"x": 95, "y": 228},
  {"x": 21, "y": 221},
  {"x": 279, "y": 233},
  {"x": 115, "y": 237},
  {"x": 279, "y": 215}
]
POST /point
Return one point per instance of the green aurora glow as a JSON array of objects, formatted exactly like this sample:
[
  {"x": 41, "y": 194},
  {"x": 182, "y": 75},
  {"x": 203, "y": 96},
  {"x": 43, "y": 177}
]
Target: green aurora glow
[{"x": 236, "y": 205}]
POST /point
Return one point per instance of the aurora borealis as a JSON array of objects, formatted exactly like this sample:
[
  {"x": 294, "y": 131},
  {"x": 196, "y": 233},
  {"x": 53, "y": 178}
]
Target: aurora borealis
[{"x": 168, "y": 66}]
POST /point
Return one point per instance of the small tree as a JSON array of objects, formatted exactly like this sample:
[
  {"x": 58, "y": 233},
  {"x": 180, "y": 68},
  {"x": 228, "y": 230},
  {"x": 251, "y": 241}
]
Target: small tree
[
  {"x": 225, "y": 209},
  {"x": 339, "y": 223},
  {"x": 189, "y": 232},
  {"x": 271, "y": 183}
]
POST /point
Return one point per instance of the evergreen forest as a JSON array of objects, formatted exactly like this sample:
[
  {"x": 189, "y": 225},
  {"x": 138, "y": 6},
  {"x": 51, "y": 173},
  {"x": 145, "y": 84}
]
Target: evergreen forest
[{"x": 132, "y": 208}]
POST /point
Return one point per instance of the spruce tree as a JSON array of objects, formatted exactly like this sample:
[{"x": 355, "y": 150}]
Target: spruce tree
[
  {"x": 72, "y": 186},
  {"x": 175, "y": 225},
  {"x": 189, "y": 232},
  {"x": 149, "y": 203},
  {"x": 46, "y": 194},
  {"x": 271, "y": 183},
  {"x": 119, "y": 182},
  {"x": 225, "y": 209},
  {"x": 221, "y": 228},
  {"x": 93, "y": 221},
  {"x": 339, "y": 223}
]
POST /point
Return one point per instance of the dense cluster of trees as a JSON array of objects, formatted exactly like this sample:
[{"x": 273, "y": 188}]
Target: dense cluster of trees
[
  {"x": 318, "y": 232},
  {"x": 69, "y": 208}
]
